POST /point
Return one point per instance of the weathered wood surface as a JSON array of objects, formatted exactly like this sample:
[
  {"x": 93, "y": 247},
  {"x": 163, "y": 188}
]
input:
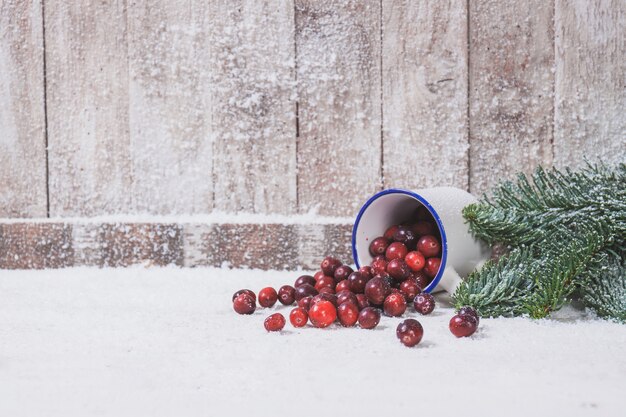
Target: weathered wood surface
[
  {"x": 339, "y": 104},
  {"x": 590, "y": 85},
  {"x": 511, "y": 89},
  {"x": 425, "y": 93},
  {"x": 87, "y": 92},
  {"x": 253, "y": 105},
  {"x": 22, "y": 117}
]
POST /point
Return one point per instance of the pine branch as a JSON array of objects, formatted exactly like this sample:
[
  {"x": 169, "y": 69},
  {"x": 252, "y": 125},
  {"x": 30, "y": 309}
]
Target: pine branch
[{"x": 604, "y": 286}]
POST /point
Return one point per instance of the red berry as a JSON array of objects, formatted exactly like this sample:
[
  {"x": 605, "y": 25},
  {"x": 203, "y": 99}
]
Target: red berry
[
  {"x": 267, "y": 297},
  {"x": 463, "y": 325},
  {"x": 395, "y": 305},
  {"x": 424, "y": 303},
  {"x": 327, "y": 290},
  {"x": 405, "y": 235},
  {"x": 346, "y": 296},
  {"x": 415, "y": 260},
  {"x": 325, "y": 281},
  {"x": 432, "y": 267},
  {"x": 389, "y": 232},
  {"x": 421, "y": 279},
  {"x": 362, "y": 301},
  {"x": 376, "y": 290},
  {"x": 429, "y": 246},
  {"x": 379, "y": 265},
  {"x": 305, "y": 290},
  {"x": 409, "y": 289},
  {"x": 398, "y": 269},
  {"x": 304, "y": 279},
  {"x": 423, "y": 227},
  {"x": 287, "y": 295},
  {"x": 298, "y": 317},
  {"x": 469, "y": 310},
  {"x": 331, "y": 298},
  {"x": 379, "y": 246},
  {"x": 342, "y": 285},
  {"x": 329, "y": 265},
  {"x": 244, "y": 304},
  {"x": 322, "y": 314},
  {"x": 348, "y": 314},
  {"x": 410, "y": 332},
  {"x": 367, "y": 270},
  {"x": 274, "y": 323},
  {"x": 342, "y": 273},
  {"x": 357, "y": 282},
  {"x": 249, "y": 292},
  {"x": 369, "y": 317},
  {"x": 305, "y": 303},
  {"x": 318, "y": 275},
  {"x": 396, "y": 250}
]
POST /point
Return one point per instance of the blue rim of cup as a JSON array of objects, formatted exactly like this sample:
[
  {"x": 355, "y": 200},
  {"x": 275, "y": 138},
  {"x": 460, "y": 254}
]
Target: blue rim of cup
[{"x": 433, "y": 212}]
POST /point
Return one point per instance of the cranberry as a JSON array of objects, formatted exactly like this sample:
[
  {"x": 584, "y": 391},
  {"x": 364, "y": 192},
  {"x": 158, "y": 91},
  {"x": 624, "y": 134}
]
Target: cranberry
[
  {"x": 390, "y": 232},
  {"x": 367, "y": 270},
  {"x": 369, "y": 317},
  {"x": 357, "y": 282},
  {"x": 395, "y": 305},
  {"x": 244, "y": 304},
  {"x": 396, "y": 250},
  {"x": 379, "y": 246},
  {"x": 415, "y": 260},
  {"x": 267, "y": 297},
  {"x": 424, "y": 303},
  {"x": 432, "y": 267},
  {"x": 362, "y": 301},
  {"x": 463, "y": 325},
  {"x": 304, "y": 279},
  {"x": 331, "y": 298},
  {"x": 421, "y": 279},
  {"x": 342, "y": 286},
  {"x": 469, "y": 310},
  {"x": 346, "y": 296},
  {"x": 249, "y": 292},
  {"x": 379, "y": 265},
  {"x": 342, "y": 273},
  {"x": 305, "y": 290},
  {"x": 327, "y": 290},
  {"x": 429, "y": 246},
  {"x": 348, "y": 314},
  {"x": 318, "y": 275},
  {"x": 398, "y": 269},
  {"x": 329, "y": 265},
  {"x": 390, "y": 281},
  {"x": 274, "y": 323},
  {"x": 298, "y": 317},
  {"x": 422, "y": 213},
  {"x": 376, "y": 290},
  {"x": 409, "y": 289},
  {"x": 305, "y": 303},
  {"x": 410, "y": 332},
  {"x": 405, "y": 235},
  {"x": 325, "y": 281},
  {"x": 423, "y": 227},
  {"x": 287, "y": 295},
  {"x": 322, "y": 314}
]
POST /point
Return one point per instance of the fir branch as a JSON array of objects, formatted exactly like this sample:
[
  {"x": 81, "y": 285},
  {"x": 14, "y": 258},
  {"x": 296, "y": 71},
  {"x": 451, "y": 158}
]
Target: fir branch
[{"x": 603, "y": 286}]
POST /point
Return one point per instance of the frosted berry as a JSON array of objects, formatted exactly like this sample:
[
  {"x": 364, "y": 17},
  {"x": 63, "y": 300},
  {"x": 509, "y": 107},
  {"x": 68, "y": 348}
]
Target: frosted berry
[
  {"x": 390, "y": 232},
  {"x": 304, "y": 279},
  {"x": 396, "y": 250},
  {"x": 395, "y": 305},
  {"x": 305, "y": 303},
  {"x": 304, "y": 290},
  {"x": 463, "y": 325},
  {"x": 245, "y": 291},
  {"x": 423, "y": 227},
  {"x": 424, "y": 303},
  {"x": 329, "y": 265},
  {"x": 421, "y": 279},
  {"x": 346, "y": 296},
  {"x": 244, "y": 304},
  {"x": 409, "y": 289},
  {"x": 287, "y": 295},
  {"x": 405, "y": 235},
  {"x": 469, "y": 310},
  {"x": 410, "y": 332},
  {"x": 432, "y": 267},
  {"x": 348, "y": 314},
  {"x": 379, "y": 265},
  {"x": 318, "y": 275},
  {"x": 325, "y": 281},
  {"x": 415, "y": 260},
  {"x": 429, "y": 246},
  {"x": 362, "y": 301},
  {"x": 398, "y": 269},
  {"x": 342, "y": 273},
  {"x": 369, "y": 317},
  {"x": 298, "y": 317},
  {"x": 267, "y": 297},
  {"x": 274, "y": 323},
  {"x": 327, "y": 290},
  {"x": 357, "y": 282},
  {"x": 331, "y": 298},
  {"x": 322, "y": 314},
  {"x": 379, "y": 246},
  {"x": 342, "y": 286},
  {"x": 376, "y": 290},
  {"x": 367, "y": 270}
]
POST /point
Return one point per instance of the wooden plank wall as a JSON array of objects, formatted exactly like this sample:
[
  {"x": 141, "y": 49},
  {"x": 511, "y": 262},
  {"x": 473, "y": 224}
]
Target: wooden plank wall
[{"x": 187, "y": 106}]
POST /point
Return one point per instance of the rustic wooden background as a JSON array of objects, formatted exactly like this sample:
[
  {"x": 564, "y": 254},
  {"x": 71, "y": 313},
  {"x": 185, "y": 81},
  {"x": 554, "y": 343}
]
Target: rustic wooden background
[{"x": 285, "y": 106}]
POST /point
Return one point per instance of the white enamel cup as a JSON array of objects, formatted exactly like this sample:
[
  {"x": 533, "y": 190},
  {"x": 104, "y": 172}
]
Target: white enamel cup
[{"x": 460, "y": 252}]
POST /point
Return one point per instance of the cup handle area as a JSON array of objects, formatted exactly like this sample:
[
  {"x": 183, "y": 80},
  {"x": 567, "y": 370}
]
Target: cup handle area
[{"x": 450, "y": 280}]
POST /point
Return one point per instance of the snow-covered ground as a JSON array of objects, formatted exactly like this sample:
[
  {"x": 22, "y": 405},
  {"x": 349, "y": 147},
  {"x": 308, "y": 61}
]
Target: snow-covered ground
[{"x": 165, "y": 342}]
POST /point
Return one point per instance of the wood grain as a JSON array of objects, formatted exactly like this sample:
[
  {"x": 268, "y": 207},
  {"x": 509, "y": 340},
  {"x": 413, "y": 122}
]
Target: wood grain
[
  {"x": 253, "y": 105},
  {"x": 590, "y": 85},
  {"x": 339, "y": 104},
  {"x": 22, "y": 118},
  {"x": 511, "y": 89},
  {"x": 425, "y": 94},
  {"x": 36, "y": 245},
  {"x": 169, "y": 101},
  {"x": 87, "y": 90}
]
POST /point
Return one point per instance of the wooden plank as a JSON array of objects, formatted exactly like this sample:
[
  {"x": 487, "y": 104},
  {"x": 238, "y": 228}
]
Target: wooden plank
[
  {"x": 511, "y": 88},
  {"x": 87, "y": 90},
  {"x": 36, "y": 245},
  {"x": 253, "y": 105},
  {"x": 590, "y": 93},
  {"x": 22, "y": 118},
  {"x": 171, "y": 146},
  {"x": 425, "y": 93},
  {"x": 339, "y": 104}
]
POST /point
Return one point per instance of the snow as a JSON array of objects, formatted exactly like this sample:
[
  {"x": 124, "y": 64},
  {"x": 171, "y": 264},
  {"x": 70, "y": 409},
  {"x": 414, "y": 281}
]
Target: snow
[{"x": 165, "y": 341}]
